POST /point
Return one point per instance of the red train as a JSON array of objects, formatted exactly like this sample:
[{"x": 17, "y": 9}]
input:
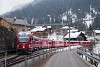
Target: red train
[
  {"x": 81, "y": 43},
  {"x": 26, "y": 42}
]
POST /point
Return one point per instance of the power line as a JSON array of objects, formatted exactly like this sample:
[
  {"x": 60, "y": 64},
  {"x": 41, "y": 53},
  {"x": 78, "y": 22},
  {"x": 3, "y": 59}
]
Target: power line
[{"x": 10, "y": 3}]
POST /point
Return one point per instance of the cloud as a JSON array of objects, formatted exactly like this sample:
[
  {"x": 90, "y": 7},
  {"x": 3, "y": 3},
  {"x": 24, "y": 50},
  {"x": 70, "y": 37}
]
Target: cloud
[{"x": 7, "y": 5}]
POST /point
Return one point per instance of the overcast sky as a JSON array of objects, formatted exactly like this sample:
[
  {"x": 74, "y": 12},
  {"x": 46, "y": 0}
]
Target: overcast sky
[{"x": 7, "y": 5}]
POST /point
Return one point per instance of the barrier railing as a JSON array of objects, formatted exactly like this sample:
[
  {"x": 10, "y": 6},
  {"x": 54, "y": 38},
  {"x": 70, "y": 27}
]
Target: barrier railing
[{"x": 95, "y": 58}]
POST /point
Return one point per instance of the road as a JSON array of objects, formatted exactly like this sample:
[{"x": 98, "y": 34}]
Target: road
[{"x": 66, "y": 59}]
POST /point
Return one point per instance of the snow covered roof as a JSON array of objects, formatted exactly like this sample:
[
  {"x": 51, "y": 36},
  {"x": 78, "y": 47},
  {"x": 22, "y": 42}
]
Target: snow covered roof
[
  {"x": 67, "y": 27},
  {"x": 48, "y": 26},
  {"x": 38, "y": 29},
  {"x": 97, "y": 31},
  {"x": 90, "y": 38},
  {"x": 26, "y": 33},
  {"x": 74, "y": 30},
  {"x": 83, "y": 32},
  {"x": 17, "y": 21},
  {"x": 54, "y": 36},
  {"x": 73, "y": 35}
]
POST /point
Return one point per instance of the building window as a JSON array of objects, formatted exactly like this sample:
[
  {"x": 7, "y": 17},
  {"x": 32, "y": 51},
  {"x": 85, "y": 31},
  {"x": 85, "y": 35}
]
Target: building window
[
  {"x": 16, "y": 30},
  {"x": 23, "y": 29}
]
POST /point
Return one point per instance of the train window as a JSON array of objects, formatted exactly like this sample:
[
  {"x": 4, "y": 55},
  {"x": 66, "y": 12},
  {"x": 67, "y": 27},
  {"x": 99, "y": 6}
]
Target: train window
[
  {"x": 60, "y": 42},
  {"x": 49, "y": 42},
  {"x": 31, "y": 40},
  {"x": 23, "y": 37},
  {"x": 40, "y": 42},
  {"x": 36, "y": 41}
]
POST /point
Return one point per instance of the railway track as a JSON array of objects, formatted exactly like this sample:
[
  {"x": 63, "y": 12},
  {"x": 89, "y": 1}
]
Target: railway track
[
  {"x": 13, "y": 60},
  {"x": 20, "y": 58}
]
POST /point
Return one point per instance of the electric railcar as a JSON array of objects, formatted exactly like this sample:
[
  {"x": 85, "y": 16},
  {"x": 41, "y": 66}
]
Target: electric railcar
[{"x": 26, "y": 43}]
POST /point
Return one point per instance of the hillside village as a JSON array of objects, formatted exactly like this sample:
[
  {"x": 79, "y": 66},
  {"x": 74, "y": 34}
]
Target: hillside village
[
  {"x": 46, "y": 31},
  {"x": 60, "y": 33},
  {"x": 50, "y": 33}
]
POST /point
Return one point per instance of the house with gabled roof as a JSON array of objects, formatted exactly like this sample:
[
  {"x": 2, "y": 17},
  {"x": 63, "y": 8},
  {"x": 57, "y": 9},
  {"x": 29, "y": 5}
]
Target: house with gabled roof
[
  {"x": 41, "y": 31},
  {"x": 97, "y": 32},
  {"x": 76, "y": 36},
  {"x": 17, "y": 24}
]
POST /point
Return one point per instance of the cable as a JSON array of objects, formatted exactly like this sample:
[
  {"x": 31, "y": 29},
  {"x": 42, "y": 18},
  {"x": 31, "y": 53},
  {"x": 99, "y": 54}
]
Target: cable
[
  {"x": 13, "y": 6},
  {"x": 10, "y": 3}
]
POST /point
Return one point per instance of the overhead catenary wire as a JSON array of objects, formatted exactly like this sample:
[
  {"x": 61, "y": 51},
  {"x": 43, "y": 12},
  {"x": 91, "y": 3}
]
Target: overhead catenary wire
[
  {"x": 13, "y": 5},
  {"x": 10, "y": 3}
]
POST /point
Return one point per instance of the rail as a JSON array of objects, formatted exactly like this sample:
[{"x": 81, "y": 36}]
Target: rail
[
  {"x": 20, "y": 58},
  {"x": 95, "y": 58}
]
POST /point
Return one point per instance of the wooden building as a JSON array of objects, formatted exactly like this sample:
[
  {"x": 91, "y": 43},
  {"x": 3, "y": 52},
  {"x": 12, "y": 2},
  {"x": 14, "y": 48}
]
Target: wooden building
[
  {"x": 77, "y": 36},
  {"x": 17, "y": 24},
  {"x": 40, "y": 31}
]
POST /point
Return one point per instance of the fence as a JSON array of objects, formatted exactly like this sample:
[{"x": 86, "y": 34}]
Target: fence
[{"x": 94, "y": 58}]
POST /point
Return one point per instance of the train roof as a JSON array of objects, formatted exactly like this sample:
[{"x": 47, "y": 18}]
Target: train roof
[{"x": 24, "y": 33}]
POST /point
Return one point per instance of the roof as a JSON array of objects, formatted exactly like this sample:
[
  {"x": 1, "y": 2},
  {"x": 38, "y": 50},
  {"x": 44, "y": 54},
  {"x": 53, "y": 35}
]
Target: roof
[
  {"x": 67, "y": 27},
  {"x": 73, "y": 35},
  {"x": 74, "y": 30},
  {"x": 48, "y": 26},
  {"x": 38, "y": 29},
  {"x": 17, "y": 21},
  {"x": 97, "y": 31},
  {"x": 21, "y": 33},
  {"x": 83, "y": 32}
]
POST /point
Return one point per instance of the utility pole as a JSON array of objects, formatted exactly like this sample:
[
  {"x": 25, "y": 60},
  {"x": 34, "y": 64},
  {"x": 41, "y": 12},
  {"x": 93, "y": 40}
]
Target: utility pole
[
  {"x": 69, "y": 21},
  {"x": 68, "y": 18},
  {"x": 69, "y": 32}
]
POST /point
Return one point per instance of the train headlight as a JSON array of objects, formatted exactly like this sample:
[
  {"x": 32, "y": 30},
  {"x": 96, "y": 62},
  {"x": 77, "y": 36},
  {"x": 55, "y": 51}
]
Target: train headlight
[
  {"x": 29, "y": 46},
  {"x": 17, "y": 46},
  {"x": 23, "y": 46}
]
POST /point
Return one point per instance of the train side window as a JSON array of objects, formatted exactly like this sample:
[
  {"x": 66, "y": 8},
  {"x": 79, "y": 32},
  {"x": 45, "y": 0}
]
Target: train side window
[
  {"x": 34, "y": 41},
  {"x": 31, "y": 40},
  {"x": 49, "y": 42},
  {"x": 37, "y": 42},
  {"x": 40, "y": 42}
]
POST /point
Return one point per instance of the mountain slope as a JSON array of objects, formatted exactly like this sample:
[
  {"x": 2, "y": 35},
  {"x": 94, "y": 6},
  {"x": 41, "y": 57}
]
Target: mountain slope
[{"x": 56, "y": 9}]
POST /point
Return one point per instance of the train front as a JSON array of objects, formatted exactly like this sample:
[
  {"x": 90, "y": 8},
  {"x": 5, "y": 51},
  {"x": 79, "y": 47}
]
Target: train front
[{"x": 23, "y": 44}]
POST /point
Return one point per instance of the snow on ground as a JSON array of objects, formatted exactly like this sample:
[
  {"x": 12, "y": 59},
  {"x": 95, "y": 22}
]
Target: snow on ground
[
  {"x": 97, "y": 49},
  {"x": 54, "y": 36},
  {"x": 67, "y": 48}
]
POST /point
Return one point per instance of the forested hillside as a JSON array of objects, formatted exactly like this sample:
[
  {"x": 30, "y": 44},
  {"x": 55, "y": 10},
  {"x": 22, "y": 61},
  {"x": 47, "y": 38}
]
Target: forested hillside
[{"x": 56, "y": 9}]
